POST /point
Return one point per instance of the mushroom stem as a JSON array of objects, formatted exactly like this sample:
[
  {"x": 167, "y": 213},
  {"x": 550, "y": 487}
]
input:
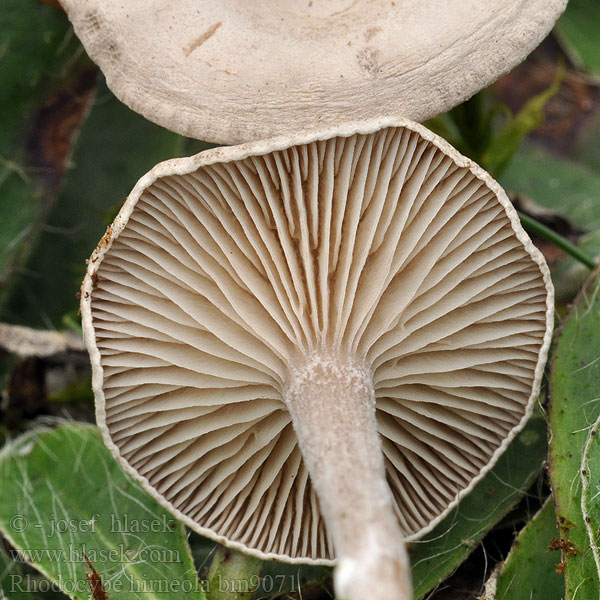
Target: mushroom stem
[{"x": 332, "y": 404}]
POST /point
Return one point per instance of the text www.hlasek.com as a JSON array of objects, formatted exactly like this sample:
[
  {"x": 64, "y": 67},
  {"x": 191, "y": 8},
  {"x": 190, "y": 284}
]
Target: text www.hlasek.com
[{"x": 121, "y": 554}]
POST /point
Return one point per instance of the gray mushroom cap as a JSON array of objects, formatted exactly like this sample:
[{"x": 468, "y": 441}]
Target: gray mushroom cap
[
  {"x": 236, "y": 70},
  {"x": 314, "y": 346}
]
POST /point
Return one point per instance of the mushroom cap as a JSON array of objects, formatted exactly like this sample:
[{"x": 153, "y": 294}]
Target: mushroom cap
[
  {"x": 223, "y": 272},
  {"x": 235, "y": 71}
]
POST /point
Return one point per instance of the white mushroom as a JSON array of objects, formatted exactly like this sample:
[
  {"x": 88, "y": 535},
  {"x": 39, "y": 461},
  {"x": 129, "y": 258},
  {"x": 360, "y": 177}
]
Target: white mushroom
[
  {"x": 313, "y": 347},
  {"x": 240, "y": 70}
]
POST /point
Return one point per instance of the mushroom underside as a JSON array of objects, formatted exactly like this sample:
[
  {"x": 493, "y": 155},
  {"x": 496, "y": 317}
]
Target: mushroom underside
[{"x": 230, "y": 281}]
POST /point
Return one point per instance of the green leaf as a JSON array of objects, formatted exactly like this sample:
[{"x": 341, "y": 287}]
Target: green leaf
[
  {"x": 232, "y": 575},
  {"x": 10, "y": 578},
  {"x": 469, "y": 127},
  {"x": 533, "y": 226},
  {"x": 47, "y": 84},
  {"x": 442, "y": 550},
  {"x": 590, "y": 497},
  {"x": 503, "y": 146},
  {"x": 60, "y": 175},
  {"x": 115, "y": 148},
  {"x": 585, "y": 149},
  {"x": 570, "y": 188},
  {"x": 570, "y": 275},
  {"x": 574, "y": 408},
  {"x": 63, "y": 495},
  {"x": 556, "y": 183},
  {"x": 578, "y": 32},
  {"x": 530, "y": 568}
]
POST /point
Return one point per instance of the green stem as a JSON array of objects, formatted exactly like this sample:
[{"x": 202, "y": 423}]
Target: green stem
[
  {"x": 232, "y": 575},
  {"x": 537, "y": 228}
]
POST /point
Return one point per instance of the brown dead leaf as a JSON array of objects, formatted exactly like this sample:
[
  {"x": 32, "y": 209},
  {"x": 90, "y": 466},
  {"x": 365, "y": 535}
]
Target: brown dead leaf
[
  {"x": 95, "y": 582},
  {"x": 55, "y": 125}
]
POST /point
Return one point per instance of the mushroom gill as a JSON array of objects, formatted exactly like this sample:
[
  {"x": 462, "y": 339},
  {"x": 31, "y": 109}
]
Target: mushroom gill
[{"x": 311, "y": 348}]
